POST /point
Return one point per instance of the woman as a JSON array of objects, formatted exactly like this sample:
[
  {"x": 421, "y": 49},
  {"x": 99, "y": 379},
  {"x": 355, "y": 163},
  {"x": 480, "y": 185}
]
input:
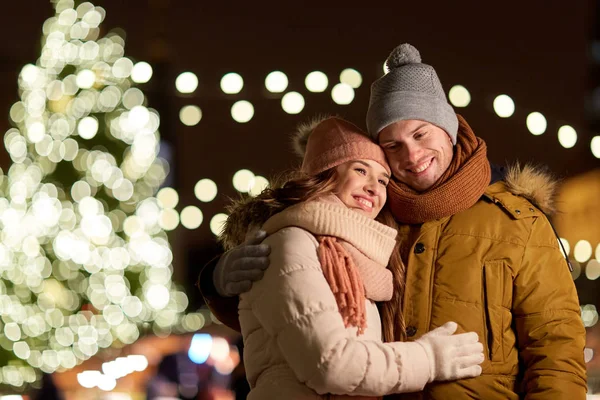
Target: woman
[{"x": 311, "y": 326}]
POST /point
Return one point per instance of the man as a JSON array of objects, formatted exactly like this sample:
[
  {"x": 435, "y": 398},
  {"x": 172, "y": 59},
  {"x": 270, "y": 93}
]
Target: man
[{"x": 477, "y": 250}]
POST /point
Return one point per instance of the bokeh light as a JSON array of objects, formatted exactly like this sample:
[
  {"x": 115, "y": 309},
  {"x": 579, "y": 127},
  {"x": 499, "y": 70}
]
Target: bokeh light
[
  {"x": 276, "y": 82},
  {"x": 232, "y": 83},
  {"x": 88, "y": 127},
  {"x": 217, "y": 222},
  {"x": 186, "y": 82},
  {"x": 582, "y": 251},
  {"x": 595, "y": 146},
  {"x": 141, "y": 72},
  {"x": 342, "y": 94},
  {"x": 567, "y": 136},
  {"x": 316, "y": 82},
  {"x": 243, "y": 180},
  {"x": 589, "y": 315},
  {"x": 200, "y": 348},
  {"x": 122, "y": 68},
  {"x": 169, "y": 219},
  {"x": 86, "y": 79},
  {"x": 191, "y": 217},
  {"x": 351, "y": 77},
  {"x": 205, "y": 190},
  {"x": 242, "y": 111},
  {"x": 592, "y": 270},
  {"x": 459, "y": 96},
  {"x": 536, "y": 123},
  {"x": 190, "y": 115},
  {"x": 167, "y": 197},
  {"x": 258, "y": 184},
  {"x": 504, "y": 106},
  {"x": 292, "y": 103}
]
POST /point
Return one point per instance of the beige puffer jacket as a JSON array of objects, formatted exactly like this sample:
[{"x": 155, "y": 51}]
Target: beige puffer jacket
[{"x": 296, "y": 344}]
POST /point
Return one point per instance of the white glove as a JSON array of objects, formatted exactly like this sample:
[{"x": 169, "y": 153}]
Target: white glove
[
  {"x": 452, "y": 356},
  {"x": 242, "y": 265}
]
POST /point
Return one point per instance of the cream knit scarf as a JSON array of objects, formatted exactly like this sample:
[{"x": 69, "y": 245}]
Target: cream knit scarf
[{"x": 354, "y": 251}]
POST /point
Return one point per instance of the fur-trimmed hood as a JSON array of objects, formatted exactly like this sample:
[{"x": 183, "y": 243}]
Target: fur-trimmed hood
[
  {"x": 246, "y": 215},
  {"x": 534, "y": 183}
]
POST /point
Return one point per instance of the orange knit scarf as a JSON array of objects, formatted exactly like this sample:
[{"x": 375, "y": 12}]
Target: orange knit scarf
[
  {"x": 347, "y": 287},
  {"x": 461, "y": 185},
  {"x": 345, "y": 281}
]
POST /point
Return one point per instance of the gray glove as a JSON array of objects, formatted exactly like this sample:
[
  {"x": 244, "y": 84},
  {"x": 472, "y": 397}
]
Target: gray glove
[
  {"x": 242, "y": 265},
  {"x": 452, "y": 356}
]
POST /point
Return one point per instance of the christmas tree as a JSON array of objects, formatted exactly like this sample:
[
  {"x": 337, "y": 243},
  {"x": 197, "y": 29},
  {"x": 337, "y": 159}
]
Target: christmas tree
[{"x": 84, "y": 258}]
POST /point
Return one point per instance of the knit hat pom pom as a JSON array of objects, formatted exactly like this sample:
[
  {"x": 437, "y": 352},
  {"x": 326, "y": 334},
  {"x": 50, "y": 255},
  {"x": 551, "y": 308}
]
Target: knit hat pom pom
[
  {"x": 402, "y": 55},
  {"x": 303, "y": 132}
]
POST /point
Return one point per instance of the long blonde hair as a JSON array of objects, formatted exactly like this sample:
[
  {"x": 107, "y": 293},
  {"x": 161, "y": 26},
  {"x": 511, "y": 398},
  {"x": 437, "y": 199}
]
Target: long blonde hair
[{"x": 392, "y": 318}]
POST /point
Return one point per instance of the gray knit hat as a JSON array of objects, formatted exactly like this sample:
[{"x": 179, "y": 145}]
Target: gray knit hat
[{"x": 410, "y": 90}]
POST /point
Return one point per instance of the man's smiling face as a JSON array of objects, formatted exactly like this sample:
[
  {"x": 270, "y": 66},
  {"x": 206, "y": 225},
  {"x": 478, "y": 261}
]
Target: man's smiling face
[{"x": 418, "y": 152}]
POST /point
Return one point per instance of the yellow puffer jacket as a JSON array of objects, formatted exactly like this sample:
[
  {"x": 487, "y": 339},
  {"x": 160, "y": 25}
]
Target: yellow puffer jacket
[{"x": 496, "y": 269}]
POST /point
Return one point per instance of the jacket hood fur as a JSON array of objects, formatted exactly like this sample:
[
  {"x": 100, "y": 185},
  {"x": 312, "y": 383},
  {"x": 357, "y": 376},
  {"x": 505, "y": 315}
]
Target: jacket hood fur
[
  {"x": 533, "y": 183},
  {"x": 246, "y": 215}
]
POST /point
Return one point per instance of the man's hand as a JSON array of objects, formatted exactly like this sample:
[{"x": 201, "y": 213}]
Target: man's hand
[{"x": 242, "y": 265}]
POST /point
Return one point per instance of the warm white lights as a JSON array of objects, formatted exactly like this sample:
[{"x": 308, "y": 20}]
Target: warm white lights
[
  {"x": 258, "y": 184},
  {"x": 232, "y": 83},
  {"x": 342, "y": 94},
  {"x": 536, "y": 123},
  {"x": 592, "y": 270},
  {"x": 595, "y": 146},
  {"x": 292, "y": 102},
  {"x": 85, "y": 78},
  {"x": 88, "y": 127},
  {"x": 582, "y": 251},
  {"x": 567, "y": 136},
  {"x": 351, "y": 77},
  {"x": 316, "y": 82},
  {"x": 168, "y": 197},
  {"x": 190, "y": 115},
  {"x": 217, "y": 222},
  {"x": 82, "y": 229},
  {"x": 141, "y": 72},
  {"x": 504, "y": 106},
  {"x": 186, "y": 82},
  {"x": 111, "y": 371},
  {"x": 205, "y": 190},
  {"x": 243, "y": 180},
  {"x": 459, "y": 96},
  {"x": 191, "y": 217},
  {"x": 242, "y": 111},
  {"x": 276, "y": 82}
]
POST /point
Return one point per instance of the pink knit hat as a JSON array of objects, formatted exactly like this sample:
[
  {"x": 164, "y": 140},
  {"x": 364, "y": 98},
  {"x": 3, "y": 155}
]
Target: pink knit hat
[{"x": 334, "y": 141}]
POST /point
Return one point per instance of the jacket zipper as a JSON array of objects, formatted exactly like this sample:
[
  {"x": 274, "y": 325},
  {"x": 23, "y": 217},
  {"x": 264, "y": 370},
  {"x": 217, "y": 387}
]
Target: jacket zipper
[{"x": 487, "y": 329}]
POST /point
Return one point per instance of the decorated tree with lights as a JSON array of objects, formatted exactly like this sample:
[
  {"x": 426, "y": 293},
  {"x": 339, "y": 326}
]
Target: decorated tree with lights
[{"x": 84, "y": 258}]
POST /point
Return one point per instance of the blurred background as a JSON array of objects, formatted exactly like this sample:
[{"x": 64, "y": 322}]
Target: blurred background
[{"x": 130, "y": 124}]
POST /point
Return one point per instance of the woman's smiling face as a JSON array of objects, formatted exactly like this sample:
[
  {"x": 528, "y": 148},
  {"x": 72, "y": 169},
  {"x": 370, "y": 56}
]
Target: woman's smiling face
[{"x": 361, "y": 185}]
